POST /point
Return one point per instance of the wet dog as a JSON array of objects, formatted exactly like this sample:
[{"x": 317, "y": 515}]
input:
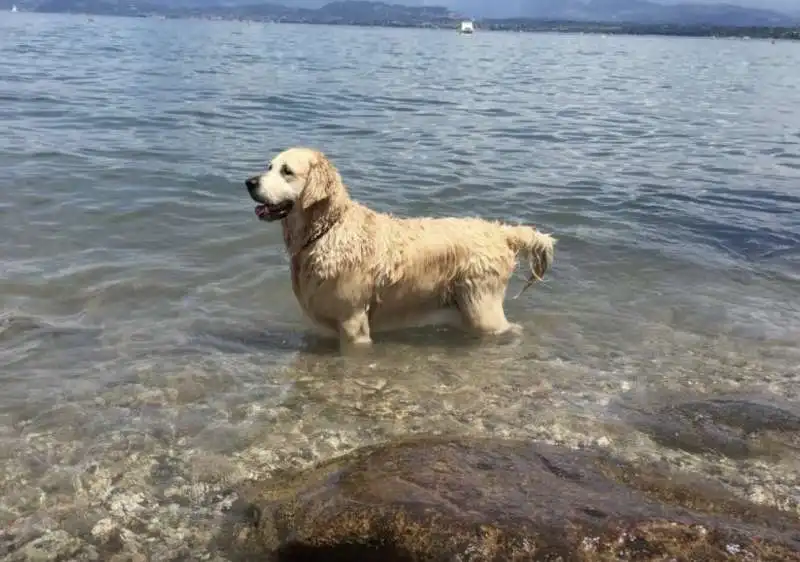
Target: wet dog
[{"x": 356, "y": 271}]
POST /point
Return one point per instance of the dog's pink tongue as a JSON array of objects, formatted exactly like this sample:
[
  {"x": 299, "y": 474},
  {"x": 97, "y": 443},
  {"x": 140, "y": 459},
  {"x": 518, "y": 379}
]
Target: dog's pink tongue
[{"x": 261, "y": 211}]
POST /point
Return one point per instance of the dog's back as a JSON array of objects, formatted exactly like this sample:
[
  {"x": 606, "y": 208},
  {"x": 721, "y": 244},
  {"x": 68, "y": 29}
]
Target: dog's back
[{"x": 427, "y": 269}]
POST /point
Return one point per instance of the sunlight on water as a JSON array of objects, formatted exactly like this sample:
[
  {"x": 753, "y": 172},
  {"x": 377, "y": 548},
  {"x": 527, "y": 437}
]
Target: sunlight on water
[{"x": 153, "y": 356}]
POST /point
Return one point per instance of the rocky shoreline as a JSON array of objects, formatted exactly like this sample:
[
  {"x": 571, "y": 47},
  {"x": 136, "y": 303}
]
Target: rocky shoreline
[
  {"x": 442, "y": 499},
  {"x": 414, "y": 497}
]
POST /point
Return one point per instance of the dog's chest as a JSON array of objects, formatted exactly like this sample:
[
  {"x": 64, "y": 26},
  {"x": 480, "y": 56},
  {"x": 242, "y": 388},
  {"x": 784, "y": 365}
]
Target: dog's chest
[
  {"x": 295, "y": 271},
  {"x": 304, "y": 286},
  {"x": 295, "y": 263}
]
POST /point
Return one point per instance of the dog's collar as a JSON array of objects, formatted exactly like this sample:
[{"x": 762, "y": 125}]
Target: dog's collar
[{"x": 315, "y": 236}]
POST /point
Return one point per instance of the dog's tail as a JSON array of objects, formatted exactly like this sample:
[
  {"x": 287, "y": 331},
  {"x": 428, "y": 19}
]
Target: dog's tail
[{"x": 539, "y": 248}]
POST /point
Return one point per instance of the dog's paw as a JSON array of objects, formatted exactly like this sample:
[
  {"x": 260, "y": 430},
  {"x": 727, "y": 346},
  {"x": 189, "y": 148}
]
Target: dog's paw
[{"x": 355, "y": 345}]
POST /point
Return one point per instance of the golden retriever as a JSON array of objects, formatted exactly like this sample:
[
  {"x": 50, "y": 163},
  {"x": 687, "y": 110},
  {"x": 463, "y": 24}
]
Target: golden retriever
[{"x": 356, "y": 271}]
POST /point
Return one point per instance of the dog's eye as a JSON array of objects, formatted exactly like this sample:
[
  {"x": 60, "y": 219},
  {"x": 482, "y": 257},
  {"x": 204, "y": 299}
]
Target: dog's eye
[
  {"x": 286, "y": 171},
  {"x": 269, "y": 169}
]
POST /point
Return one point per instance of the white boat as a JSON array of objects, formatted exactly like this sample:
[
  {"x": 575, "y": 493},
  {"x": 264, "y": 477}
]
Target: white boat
[
  {"x": 13, "y": 7},
  {"x": 466, "y": 27}
]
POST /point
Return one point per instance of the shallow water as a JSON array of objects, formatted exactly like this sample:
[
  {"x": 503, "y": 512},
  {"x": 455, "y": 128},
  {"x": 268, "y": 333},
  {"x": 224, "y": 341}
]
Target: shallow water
[{"x": 152, "y": 354}]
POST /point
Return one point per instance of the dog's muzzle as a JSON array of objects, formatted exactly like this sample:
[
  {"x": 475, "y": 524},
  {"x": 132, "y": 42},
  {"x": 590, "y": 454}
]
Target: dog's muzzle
[
  {"x": 266, "y": 211},
  {"x": 269, "y": 213},
  {"x": 252, "y": 185}
]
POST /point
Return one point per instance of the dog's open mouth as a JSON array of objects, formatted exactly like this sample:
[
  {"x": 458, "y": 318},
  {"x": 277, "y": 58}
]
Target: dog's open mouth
[{"x": 271, "y": 213}]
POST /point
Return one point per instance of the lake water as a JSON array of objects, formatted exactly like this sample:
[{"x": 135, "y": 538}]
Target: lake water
[{"x": 152, "y": 353}]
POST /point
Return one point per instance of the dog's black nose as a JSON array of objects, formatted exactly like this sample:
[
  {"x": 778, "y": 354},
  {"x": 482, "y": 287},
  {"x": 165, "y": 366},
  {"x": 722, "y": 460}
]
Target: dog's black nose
[{"x": 251, "y": 183}]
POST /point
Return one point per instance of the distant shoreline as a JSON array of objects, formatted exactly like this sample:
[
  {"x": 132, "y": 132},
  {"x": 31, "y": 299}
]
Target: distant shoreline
[
  {"x": 672, "y": 30},
  {"x": 508, "y": 25}
]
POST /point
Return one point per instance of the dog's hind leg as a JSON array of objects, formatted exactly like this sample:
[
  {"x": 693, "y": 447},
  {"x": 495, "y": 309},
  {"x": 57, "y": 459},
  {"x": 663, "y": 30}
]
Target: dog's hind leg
[
  {"x": 482, "y": 312},
  {"x": 354, "y": 331}
]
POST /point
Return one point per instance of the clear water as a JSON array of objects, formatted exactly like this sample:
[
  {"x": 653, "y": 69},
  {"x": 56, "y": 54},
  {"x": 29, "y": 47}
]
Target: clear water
[{"x": 152, "y": 354}]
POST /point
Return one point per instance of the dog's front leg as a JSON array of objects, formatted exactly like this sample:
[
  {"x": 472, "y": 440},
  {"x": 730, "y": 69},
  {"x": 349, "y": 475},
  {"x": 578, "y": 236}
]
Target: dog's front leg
[{"x": 354, "y": 331}]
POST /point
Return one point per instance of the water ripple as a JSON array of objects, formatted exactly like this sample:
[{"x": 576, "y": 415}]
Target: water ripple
[{"x": 147, "y": 316}]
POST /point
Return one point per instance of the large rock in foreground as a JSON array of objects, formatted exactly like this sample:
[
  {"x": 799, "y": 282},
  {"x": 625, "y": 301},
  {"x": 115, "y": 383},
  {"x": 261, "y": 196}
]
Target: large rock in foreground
[{"x": 440, "y": 499}]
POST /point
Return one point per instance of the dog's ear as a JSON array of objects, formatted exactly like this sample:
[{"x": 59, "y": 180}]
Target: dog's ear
[{"x": 321, "y": 183}]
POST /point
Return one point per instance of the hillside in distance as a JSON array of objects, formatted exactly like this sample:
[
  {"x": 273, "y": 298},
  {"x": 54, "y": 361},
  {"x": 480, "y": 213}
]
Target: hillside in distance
[
  {"x": 600, "y": 10},
  {"x": 649, "y": 12},
  {"x": 535, "y": 8},
  {"x": 363, "y": 12}
]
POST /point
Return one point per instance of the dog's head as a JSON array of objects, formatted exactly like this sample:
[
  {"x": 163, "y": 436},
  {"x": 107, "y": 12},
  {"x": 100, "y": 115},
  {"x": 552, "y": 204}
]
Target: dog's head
[{"x": 297, "y": 178}]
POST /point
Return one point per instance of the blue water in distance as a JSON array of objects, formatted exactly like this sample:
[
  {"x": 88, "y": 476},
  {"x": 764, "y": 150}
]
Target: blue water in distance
[{"x": 146, "y": 313}]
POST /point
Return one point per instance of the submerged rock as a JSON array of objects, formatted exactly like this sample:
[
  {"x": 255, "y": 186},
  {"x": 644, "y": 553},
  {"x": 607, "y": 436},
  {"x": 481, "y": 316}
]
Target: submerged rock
[
  {"x": 458, "y": 499},
  {"x": 749, "y": 414},
  {"x": 53, "y": 547},
  {"x": 737, "y": 427}
]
